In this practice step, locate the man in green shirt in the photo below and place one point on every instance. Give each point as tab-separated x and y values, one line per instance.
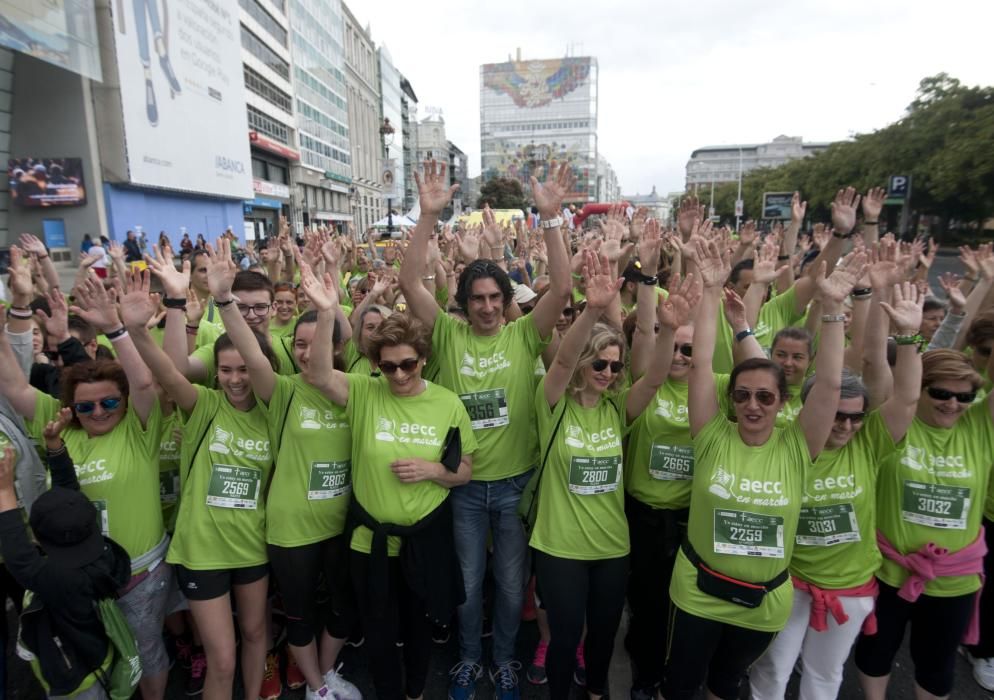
490	365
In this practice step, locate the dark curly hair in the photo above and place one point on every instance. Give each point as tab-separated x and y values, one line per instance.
479	270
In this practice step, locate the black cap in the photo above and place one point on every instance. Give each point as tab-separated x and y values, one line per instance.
64	521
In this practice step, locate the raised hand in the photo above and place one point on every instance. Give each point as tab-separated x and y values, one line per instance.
836	287
968	256
20	274
549	195
468	243
194	309
56	321
94	305
884	269
331	253
321	297
174	282
690	214
748	234
600	285
765	270
927	258
735	310
906	312
711	265
985	260
221	270
53	428
950	285
797	208
649	246
32	245
116	251
637	225
137	305
677	308
433	192
873	203
492	234
613	232
844	210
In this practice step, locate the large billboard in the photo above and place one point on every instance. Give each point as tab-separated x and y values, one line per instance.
532	84
183	96
60	32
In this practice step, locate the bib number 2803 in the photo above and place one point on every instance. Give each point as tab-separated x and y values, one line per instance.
234	487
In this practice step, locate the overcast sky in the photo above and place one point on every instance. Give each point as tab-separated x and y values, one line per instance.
675	76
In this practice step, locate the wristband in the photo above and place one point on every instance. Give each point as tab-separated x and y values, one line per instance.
428	278
869	223
114	335
742	335
909	339
23	314
783	258
843	236
170	303
862	291
222	304
192	330
833	318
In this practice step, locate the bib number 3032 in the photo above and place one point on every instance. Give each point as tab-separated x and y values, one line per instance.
748	534
234	487
935	505
486	409
329	480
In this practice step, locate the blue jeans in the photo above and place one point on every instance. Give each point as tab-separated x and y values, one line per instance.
479	507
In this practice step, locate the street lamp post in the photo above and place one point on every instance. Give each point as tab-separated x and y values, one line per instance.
739	197
386	133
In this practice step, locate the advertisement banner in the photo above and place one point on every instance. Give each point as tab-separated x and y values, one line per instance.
60	32
776	205
183	96
46	182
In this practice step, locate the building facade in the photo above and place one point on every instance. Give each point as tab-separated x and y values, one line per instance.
323	177
362	78
532	112
392	98
724	163
409	121
659	206
459	175
608	187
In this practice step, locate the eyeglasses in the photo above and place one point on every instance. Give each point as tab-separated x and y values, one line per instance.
685	349
944	395
408	365
764	397
841	417
600	365
108	403
257	309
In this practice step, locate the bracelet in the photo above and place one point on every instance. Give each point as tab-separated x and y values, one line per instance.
833	318
427	278
743	334
170	303
192	330
119	333
783	258
222	304
869	223
836	234
16	312
909	339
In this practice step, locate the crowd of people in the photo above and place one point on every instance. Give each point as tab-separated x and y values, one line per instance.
774	446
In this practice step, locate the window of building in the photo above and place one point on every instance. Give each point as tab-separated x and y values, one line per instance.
255	46
266	90
265	20
267	126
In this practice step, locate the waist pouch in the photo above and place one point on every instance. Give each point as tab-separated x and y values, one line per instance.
717	584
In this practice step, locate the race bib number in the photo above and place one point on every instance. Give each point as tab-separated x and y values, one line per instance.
102	521
748	534
234	487
824	526
671	462
486	409
169	486
329	480
591	475
936	505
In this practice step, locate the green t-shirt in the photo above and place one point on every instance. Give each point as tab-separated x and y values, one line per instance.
581	501
355	361
118	472
659	459
744	506
282	331
837	533
169	458
494	377
930	491
282	346
776	314
386	428
309	497
225	463
792	409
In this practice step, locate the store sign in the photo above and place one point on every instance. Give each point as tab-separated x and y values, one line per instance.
273	189
260	141
388	178
264	203
182	108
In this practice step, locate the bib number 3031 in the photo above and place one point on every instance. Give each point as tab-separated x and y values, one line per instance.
486	409
592	475
748	534
935	505
234	487
824	526
329	480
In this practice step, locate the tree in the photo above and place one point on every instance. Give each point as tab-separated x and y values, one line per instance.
502	193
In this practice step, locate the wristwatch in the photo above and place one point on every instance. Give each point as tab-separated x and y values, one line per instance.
552	223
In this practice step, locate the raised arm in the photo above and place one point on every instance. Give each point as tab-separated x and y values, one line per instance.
701	400
31	244
906	317
176	284
817	416
843	221
96	307
764	273
320	372
873	204
549	200
602	287
13	383
797	211
644	338
433	195
748	347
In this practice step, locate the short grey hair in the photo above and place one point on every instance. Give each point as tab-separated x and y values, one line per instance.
852	387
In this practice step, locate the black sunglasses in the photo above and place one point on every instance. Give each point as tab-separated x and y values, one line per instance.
600	365
841	417
408	365
685	349
108	403
944	395
766	398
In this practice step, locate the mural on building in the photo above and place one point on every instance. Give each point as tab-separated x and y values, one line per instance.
537	83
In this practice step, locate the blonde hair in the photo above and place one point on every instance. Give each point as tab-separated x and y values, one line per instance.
948	365
602	336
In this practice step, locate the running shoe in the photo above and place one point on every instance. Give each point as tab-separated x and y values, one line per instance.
505	680
580	672
340	688
464	676
536	671
198	671
271	688
321	693
983	671
294	676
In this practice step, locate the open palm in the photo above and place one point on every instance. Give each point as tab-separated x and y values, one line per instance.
601	286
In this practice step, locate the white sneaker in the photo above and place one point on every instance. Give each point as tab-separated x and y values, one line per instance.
321	693
983	672
340	688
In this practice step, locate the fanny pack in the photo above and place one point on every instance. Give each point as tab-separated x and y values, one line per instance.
717	584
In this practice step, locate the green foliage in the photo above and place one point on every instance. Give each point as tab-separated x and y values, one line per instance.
502	193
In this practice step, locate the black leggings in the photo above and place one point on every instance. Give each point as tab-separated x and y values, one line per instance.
984	649
573	591
699	649
655	536
404	618
298	572
937	626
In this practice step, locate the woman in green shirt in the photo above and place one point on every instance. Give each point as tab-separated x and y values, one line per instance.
793	350
218	547
285	304
411	442
730	586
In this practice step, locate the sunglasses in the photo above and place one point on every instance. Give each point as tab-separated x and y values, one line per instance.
600	365
764	397
944	395
408	365
108	403
685	349
841	417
